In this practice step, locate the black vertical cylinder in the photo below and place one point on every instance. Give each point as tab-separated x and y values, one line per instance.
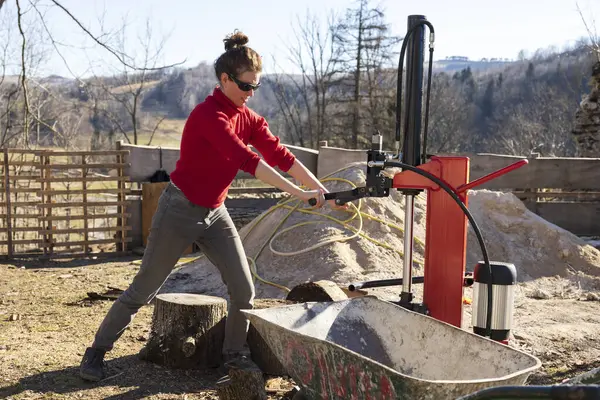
415	58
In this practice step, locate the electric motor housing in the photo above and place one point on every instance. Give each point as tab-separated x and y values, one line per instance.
504	280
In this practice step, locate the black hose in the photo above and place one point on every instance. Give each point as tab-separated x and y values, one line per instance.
383	283
425	128
448	189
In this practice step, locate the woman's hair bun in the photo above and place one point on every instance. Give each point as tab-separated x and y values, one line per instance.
236	39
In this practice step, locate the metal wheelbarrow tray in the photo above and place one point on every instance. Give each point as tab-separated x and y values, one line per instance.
366	348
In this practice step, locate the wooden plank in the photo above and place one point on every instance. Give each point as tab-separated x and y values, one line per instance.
588	196
262	204
23	242
69	254
9	242
23	151
80	217
333	158
80	179
541	172
81	204
78	191
143	161
86	166
86	249
84	230
21	229
23	216
24	177
45	172
83	242
63	153
25	190
20	204
121	221
253	190
578	218
151	193
24	163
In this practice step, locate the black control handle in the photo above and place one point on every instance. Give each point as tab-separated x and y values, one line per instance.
328	196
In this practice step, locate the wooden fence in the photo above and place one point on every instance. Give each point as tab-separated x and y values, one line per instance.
564	191
67	204
63	203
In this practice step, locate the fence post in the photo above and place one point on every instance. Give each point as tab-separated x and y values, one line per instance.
8	213
121	245
534	198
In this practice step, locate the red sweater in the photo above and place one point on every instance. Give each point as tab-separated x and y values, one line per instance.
214	147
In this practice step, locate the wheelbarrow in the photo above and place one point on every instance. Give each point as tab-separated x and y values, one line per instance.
366	348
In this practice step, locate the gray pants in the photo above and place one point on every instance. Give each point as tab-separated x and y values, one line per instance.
176	224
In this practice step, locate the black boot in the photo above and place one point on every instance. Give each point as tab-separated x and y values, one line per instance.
92	365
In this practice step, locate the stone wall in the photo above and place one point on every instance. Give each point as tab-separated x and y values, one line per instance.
586	129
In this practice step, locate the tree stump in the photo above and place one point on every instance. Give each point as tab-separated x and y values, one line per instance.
187	331
316	291
244	382
260	352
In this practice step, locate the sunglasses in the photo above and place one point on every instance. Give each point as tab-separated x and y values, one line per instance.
245	87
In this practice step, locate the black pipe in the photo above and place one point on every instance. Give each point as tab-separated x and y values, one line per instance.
382	283
399	80
468	281
411	147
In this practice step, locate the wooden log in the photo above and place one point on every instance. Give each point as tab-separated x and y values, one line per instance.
187	331
260	352
316	291
244	381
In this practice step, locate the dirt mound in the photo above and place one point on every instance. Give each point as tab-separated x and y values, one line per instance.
307	247
514	234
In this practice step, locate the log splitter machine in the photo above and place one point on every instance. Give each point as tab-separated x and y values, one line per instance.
446	180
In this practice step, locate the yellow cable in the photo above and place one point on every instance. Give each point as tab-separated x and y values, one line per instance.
358	231
357	213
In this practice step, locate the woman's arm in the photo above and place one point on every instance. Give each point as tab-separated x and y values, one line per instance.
307	178
270	176
303	174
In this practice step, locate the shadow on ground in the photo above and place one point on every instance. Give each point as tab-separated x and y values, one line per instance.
128	378
40	263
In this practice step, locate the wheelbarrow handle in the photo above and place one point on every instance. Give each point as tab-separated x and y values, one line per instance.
581	392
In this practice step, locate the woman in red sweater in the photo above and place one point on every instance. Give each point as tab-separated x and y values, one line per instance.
214	147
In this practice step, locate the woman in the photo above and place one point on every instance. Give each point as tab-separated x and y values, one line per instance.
214	147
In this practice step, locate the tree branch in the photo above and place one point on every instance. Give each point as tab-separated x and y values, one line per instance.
23	73
108	48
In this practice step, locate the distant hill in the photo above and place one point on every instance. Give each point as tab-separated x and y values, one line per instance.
457	63
489	105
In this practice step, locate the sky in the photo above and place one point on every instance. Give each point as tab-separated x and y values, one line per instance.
193	30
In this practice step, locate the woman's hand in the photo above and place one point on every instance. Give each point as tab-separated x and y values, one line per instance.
318	195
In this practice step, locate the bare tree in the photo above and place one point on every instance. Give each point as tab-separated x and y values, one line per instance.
128	86
594	44
366	51
37	19
303	97
449	115
541	125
